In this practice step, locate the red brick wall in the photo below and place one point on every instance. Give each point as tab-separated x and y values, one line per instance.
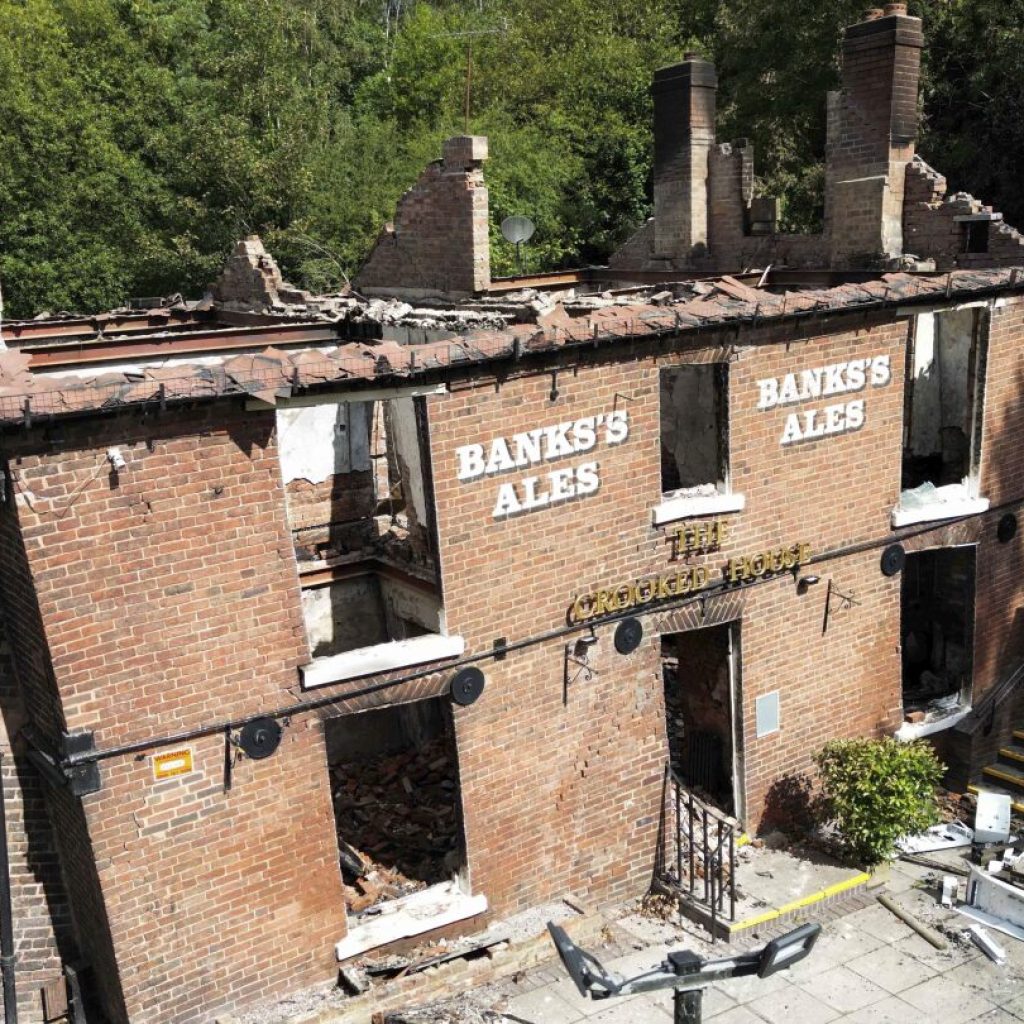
170	601
42	918
565	796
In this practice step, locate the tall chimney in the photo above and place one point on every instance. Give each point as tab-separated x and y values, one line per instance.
684	132
872	125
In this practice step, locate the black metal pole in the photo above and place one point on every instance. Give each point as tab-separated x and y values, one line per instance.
687	1005
6	921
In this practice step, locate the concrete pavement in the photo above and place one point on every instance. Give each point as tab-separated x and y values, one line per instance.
867	968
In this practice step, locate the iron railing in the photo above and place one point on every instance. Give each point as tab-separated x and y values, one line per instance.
696	857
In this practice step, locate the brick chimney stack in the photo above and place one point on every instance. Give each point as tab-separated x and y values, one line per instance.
684	133
872	124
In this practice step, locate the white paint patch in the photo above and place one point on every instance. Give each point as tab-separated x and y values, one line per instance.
323	440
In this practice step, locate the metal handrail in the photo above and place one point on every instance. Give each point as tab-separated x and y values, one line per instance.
698	841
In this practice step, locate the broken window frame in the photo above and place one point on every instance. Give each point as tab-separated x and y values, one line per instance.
682	503
391	654
971	502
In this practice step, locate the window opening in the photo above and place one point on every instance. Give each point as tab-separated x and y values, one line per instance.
697	676
694	417
356	488
942	421
937	603
975	236
397	804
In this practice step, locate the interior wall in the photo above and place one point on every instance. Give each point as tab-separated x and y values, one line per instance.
941	403
691	426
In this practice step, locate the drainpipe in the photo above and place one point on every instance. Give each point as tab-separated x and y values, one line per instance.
6	922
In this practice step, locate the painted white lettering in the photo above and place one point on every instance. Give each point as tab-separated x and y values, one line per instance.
587	479
556	441
855	374
810	383
562	484
834	383
471	461
769	393
880	371
616	427
791	432
584	434
788	392
499	459
531	499
855	414
527	447
507	502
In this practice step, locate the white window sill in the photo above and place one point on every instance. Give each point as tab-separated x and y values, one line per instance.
419	912
915	730
367	661
686	506
931	513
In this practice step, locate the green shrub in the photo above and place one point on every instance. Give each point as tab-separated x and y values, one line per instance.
877	791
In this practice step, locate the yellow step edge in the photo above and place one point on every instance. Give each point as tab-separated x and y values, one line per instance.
1003	776
1013	755
805	901
1018	734
1018	807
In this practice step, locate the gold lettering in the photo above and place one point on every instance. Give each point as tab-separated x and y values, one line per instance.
583	608
700	577
737	569
788	558
622	600
758	565
721	531
775	560
602	603
645	591
662	587
803	553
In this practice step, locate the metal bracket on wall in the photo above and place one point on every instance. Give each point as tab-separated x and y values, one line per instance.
83	777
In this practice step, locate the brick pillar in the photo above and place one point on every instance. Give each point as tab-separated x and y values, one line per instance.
684	132
438	243
872	125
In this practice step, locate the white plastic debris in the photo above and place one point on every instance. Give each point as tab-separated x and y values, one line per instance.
987	944
949	889
939	837
992	818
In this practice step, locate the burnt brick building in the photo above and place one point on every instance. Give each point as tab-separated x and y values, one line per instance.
443	572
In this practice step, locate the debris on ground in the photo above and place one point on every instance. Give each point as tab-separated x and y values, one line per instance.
397	820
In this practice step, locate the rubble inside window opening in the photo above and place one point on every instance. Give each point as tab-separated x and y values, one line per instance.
937	631
395	789
694	428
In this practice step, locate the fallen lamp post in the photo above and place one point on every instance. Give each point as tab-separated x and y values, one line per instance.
683	971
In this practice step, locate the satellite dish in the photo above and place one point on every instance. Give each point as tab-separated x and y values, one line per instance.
517	229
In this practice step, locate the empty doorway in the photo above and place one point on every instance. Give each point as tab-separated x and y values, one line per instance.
701	679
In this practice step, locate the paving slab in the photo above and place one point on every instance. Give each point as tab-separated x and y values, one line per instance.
542	1006
891	968
738	1015
792	1005
632	1011
842	989
879	922
887	1011
950	1001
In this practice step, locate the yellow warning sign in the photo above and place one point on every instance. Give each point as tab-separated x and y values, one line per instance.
172	763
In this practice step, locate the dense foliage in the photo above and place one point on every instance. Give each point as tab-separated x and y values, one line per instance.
139	138
877	791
